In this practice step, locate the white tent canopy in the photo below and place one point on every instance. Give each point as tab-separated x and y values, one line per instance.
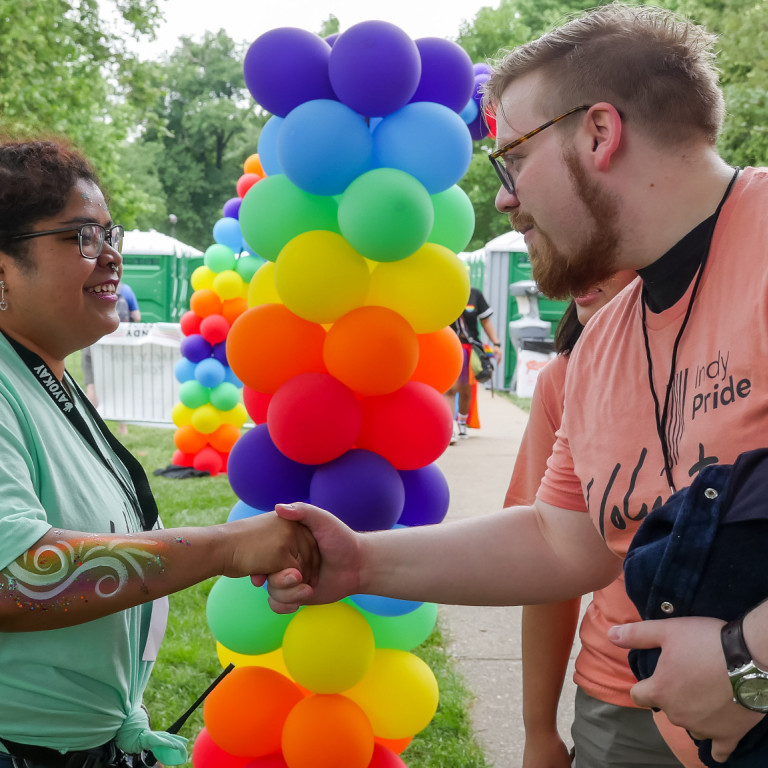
154	243
509	242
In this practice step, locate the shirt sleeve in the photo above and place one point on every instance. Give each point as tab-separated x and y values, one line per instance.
129	296
483	308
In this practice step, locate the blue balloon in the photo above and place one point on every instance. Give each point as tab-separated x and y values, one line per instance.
210	373
426	496
268	146
478	128
229	375
242	510
361	488
226	231
323	145
385	606
428	141
184	370
262	476
470	111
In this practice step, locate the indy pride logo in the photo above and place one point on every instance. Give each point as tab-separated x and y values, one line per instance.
51	383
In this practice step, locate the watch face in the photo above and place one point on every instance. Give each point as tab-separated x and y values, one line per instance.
752	692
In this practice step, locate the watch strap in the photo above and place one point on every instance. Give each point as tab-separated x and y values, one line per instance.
734	646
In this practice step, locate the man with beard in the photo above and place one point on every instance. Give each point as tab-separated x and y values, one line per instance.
606	153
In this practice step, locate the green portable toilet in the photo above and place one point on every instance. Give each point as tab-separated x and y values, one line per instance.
505	262
159	268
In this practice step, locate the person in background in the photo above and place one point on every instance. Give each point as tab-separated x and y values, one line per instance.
85	565
477	313
607	156
625	735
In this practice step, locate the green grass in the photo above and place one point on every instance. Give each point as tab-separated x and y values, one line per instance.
524	403
188	662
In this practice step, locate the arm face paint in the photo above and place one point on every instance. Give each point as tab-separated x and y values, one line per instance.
60	570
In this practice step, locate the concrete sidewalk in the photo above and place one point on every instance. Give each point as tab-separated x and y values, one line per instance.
486	641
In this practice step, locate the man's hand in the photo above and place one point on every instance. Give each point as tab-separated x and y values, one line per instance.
338	574
690	683
545	751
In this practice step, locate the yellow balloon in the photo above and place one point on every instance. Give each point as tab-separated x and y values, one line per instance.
399	694
320	276
328	648
202	278
429	288
228	284
272	660
262	288
237	416
181	415
206	419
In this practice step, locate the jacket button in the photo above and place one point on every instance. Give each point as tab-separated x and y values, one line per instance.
667	607
710	493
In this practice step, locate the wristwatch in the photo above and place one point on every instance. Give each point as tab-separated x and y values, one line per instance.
749	682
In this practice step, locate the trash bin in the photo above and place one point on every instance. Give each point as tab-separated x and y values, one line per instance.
530	336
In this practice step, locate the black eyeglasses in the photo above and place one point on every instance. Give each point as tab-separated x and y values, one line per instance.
497	157
90	238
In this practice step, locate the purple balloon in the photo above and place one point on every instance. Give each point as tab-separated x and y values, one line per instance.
446	73
331	39
426	496
195	348
261	476
361	488
232	207
219	351
481	69
374	68
286	67
478	128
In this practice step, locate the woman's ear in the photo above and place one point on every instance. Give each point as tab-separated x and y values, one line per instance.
604	126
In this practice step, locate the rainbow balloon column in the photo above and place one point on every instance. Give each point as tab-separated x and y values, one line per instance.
210	413
345	353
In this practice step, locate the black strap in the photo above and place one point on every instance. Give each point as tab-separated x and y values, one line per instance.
139	492
734	646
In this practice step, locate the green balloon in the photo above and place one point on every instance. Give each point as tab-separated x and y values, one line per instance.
225	397
403	632
219	258
247	265
386	214
240	617
275	210
193	394
454	219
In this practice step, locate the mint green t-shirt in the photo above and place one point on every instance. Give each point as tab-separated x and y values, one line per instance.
68	688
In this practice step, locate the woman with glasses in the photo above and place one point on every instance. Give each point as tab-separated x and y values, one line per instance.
85	566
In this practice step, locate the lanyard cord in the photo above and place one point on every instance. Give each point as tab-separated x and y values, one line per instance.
661	420
137	491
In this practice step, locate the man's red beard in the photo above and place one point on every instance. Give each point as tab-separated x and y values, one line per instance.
561	274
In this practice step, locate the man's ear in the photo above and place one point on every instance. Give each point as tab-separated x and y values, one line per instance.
604	127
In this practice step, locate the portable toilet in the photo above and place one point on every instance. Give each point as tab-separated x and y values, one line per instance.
158	268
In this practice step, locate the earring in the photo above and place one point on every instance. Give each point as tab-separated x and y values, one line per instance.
3	302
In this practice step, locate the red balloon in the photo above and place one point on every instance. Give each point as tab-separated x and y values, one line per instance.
394	745
268	345
269	761
214	328
208	460
180	459
256	403
190	323
385	758
410	428
245	182
314	418
206	753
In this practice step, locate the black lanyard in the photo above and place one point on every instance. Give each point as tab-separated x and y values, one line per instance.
661	420
138	491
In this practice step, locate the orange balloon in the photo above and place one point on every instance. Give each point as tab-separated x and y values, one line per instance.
233	308
440	359
394	745
247	710
268	344
205	302
327	731
189	440
224	437
253	165
372	350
